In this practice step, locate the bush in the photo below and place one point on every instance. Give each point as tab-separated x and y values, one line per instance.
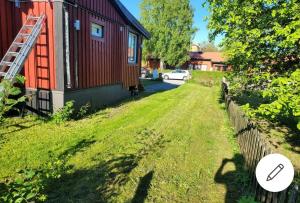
31	184
283	96
84	111
271	96
64	114
68	112
7	93
26	188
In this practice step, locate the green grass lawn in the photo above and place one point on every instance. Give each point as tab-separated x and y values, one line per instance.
166	147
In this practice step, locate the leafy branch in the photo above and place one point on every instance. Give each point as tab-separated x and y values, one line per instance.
10	96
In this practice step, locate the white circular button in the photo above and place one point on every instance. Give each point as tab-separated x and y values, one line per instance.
274	172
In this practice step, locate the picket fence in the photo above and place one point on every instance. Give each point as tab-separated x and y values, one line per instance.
254	147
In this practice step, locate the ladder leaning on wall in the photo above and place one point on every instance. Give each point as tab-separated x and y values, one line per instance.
18	52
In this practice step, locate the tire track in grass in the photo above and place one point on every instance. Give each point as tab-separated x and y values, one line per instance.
191	153
123	139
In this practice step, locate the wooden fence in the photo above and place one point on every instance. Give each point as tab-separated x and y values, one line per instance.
254	147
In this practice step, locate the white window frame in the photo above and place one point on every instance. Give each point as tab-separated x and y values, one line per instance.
132	43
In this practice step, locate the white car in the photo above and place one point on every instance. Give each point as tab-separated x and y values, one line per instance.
177	75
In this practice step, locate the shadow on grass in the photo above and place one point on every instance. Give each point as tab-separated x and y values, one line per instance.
17	127
141	192
104	181
234	181
98	184
294	140
79	147
7	129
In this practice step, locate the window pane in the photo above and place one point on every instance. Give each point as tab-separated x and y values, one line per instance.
132	48
97	30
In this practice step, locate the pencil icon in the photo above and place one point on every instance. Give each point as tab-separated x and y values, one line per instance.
275	172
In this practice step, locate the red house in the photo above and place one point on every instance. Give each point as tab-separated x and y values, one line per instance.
207	61
87	50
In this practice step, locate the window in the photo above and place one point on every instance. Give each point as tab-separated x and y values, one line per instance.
132	48
97	30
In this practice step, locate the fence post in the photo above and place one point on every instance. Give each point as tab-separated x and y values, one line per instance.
294	194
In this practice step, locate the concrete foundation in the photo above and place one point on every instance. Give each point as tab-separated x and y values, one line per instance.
50	101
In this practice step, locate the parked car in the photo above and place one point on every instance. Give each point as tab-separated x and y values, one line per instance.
177	75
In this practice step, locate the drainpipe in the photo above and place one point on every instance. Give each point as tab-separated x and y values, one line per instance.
67	48
77	28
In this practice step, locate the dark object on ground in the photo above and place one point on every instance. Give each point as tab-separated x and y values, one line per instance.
134	91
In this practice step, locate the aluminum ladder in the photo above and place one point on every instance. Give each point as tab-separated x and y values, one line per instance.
18	52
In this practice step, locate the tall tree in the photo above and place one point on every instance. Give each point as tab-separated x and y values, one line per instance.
260	33
208	46
170	23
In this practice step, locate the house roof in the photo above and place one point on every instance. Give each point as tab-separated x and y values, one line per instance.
131	19
212	56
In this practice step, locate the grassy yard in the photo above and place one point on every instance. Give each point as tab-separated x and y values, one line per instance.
173	146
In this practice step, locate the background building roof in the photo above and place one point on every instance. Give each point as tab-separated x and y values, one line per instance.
213	56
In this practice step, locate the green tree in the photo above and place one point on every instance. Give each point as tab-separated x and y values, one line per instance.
262	42
208	47
261	34
170	23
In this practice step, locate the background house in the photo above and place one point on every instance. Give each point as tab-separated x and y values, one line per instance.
88	51
207	61
152	62
199	60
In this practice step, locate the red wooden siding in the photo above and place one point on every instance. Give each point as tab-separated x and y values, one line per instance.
100	62
6	27
103	7
39	68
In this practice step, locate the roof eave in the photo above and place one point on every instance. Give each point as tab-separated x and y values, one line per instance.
131	19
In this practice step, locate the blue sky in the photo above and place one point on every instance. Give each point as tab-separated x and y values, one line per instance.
199	22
